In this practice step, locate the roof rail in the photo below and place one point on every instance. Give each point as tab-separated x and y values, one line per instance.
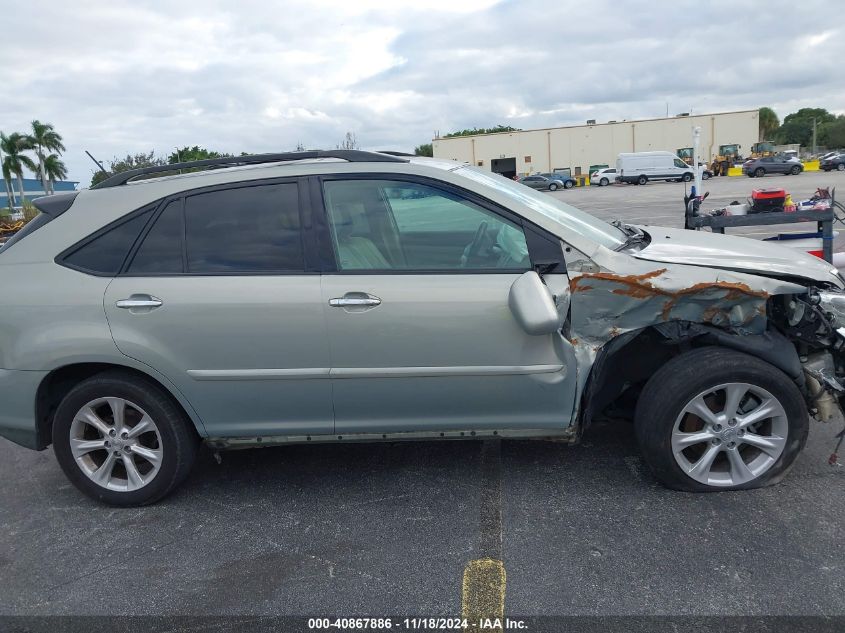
351	155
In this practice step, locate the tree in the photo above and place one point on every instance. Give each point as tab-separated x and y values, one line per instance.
187	154
45	138
54	169
798	126
7	179
349	142
14	161
768	123
833	133
482	130
131	161
424	150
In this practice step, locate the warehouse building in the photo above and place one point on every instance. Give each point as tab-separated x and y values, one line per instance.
575	149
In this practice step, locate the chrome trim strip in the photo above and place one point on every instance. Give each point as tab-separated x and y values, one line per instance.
371	372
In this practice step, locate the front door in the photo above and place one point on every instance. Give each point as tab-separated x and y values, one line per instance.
421	336
217	298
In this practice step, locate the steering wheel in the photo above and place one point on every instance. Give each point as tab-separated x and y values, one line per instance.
475	245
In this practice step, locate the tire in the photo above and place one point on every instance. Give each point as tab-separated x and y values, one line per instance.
553	187
568	184
642	180
759	172
661	421
604	182
840	167
795	170
172	439
687	177
705	175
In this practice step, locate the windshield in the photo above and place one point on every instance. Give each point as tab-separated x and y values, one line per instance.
565	214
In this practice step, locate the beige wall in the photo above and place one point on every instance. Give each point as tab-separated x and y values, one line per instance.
585	145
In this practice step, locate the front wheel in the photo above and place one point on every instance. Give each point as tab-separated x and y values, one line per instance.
716	419
642	180
120	439
840	167
759	172
687	177
795	170
553	187
568	184
604	182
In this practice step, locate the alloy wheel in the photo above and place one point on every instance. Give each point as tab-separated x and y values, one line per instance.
116	444
730	434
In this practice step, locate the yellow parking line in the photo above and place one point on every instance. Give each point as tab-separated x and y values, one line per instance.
483	591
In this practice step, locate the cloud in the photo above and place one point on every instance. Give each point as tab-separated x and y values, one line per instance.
119	76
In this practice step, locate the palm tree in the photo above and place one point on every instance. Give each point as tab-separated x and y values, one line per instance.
768	123
45	137
54	169
14	146
7	179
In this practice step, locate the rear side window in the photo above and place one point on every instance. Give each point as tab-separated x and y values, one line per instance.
106	253
161	251
247	229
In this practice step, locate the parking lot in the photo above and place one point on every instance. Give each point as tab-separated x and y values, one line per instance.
387	529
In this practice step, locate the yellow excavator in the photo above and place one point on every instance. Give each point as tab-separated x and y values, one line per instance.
685	154
728	155
762	149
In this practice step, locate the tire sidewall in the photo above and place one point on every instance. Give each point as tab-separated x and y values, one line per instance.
655	434
141	395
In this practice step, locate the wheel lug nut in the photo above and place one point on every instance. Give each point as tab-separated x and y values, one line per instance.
716	441
108	444
124	435
732	422
731	444
717	427
740	432
112	432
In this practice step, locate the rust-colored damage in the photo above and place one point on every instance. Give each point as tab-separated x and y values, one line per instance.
638	287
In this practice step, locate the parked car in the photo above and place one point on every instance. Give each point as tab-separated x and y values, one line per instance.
603	177
542	182
568	181
837	162
379	297
779	164
641	167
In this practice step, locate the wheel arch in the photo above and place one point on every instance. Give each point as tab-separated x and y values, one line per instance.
58	383
624	364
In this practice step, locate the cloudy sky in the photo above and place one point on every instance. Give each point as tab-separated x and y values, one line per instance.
117	77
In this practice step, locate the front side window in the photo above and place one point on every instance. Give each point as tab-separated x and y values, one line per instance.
394	225
680	163
245	230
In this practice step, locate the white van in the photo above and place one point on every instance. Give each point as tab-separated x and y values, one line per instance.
640	167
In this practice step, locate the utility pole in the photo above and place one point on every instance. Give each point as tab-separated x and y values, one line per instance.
814	136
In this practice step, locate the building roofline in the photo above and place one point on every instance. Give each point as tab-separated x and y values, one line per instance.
569	127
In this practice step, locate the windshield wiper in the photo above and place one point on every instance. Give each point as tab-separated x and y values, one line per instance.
635	235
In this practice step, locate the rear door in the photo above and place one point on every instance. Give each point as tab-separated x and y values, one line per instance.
220	297
421	335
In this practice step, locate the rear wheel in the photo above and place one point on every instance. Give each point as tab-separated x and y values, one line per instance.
122	440
553	187
840	167
715	419
642	180
759	172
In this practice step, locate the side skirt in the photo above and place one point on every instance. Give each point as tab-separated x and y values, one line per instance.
568	434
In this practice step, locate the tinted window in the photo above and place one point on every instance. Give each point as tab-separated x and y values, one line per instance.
106	253
248	229
391	225
161	250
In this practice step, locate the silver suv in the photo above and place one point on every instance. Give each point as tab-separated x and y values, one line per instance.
345	296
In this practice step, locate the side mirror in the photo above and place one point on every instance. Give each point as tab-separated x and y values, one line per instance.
532	305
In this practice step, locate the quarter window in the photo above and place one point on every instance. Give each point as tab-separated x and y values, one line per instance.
246	229
394	225
106	253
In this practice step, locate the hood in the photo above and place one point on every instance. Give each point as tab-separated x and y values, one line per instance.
700	248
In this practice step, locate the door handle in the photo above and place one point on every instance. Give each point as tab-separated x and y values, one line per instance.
139	301
346	302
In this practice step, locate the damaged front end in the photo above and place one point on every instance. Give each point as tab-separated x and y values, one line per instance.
625	326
